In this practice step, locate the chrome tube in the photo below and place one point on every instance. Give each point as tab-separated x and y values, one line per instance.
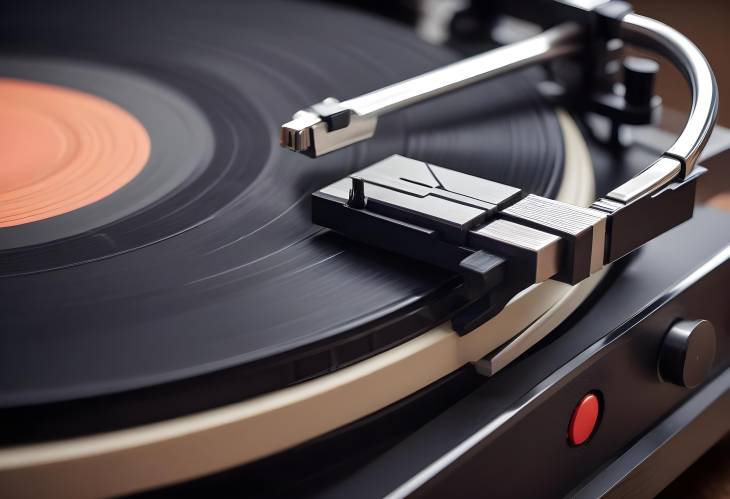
307	133
654	35
555	42
680	158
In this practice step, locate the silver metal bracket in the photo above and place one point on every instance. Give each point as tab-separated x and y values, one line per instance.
315	134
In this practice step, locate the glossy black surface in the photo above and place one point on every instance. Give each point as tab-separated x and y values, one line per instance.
222	288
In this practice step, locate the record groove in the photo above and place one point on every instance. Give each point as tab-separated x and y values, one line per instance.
218	287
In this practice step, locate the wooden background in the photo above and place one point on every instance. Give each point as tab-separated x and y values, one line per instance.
707	24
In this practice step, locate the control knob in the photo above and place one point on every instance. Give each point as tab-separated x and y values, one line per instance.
687	353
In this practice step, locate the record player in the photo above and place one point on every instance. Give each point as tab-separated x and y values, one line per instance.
473	268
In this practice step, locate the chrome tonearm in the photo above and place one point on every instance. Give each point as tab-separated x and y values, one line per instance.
680	158
500	239
331	125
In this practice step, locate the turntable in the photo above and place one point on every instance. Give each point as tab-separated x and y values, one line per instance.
446	275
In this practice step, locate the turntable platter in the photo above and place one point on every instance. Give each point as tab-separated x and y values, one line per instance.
201	280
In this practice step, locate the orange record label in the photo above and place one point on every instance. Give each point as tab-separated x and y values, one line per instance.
62	149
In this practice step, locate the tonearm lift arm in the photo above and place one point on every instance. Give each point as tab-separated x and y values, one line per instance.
499	239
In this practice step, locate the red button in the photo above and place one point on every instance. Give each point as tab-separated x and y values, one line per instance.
584	419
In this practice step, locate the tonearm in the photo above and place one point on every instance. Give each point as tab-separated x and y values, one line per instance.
499	239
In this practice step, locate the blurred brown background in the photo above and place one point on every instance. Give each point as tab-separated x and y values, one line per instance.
707	23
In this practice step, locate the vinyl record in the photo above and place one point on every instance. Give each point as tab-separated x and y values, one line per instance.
200	280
